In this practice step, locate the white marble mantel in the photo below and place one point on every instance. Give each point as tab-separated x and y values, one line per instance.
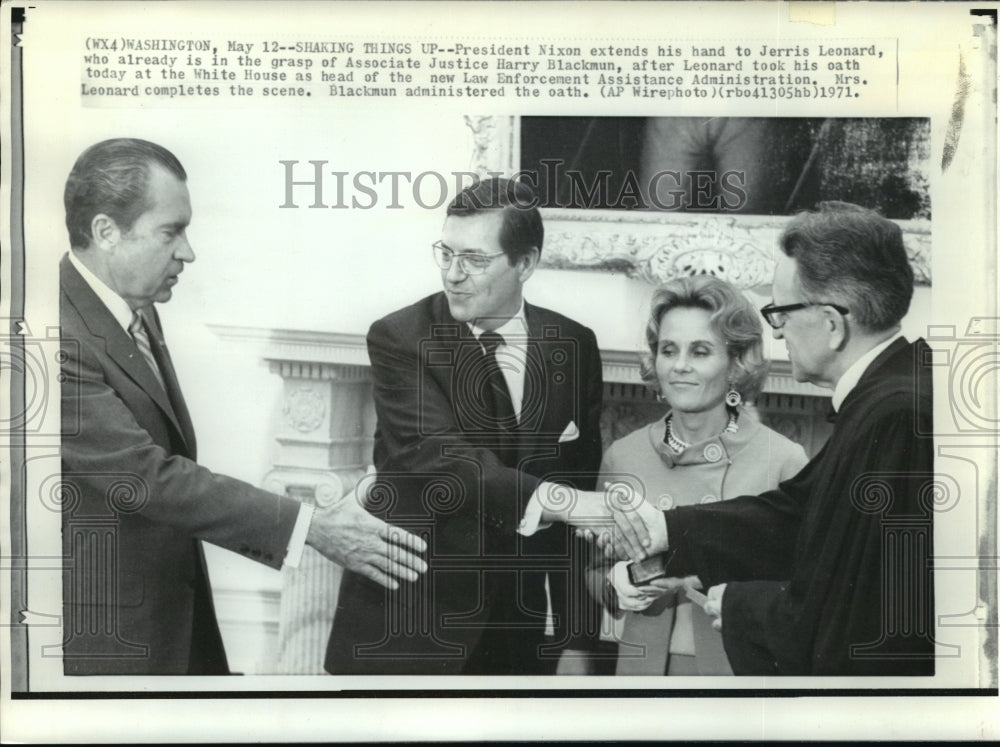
337	350
794	408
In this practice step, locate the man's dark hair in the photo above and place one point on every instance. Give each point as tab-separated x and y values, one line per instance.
112	177
521	230
848	254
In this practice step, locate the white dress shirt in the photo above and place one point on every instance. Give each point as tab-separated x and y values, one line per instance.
514	354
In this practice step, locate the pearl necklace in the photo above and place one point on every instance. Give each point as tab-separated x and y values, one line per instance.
677	446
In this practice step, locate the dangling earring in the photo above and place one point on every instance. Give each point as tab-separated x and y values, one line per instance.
660	397
733	398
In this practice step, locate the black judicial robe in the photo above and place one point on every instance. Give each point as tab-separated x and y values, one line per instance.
829	574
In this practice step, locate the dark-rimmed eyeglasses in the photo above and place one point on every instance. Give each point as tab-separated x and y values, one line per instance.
776	316
470	263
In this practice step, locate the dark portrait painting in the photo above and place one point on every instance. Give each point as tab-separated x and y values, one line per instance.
748	165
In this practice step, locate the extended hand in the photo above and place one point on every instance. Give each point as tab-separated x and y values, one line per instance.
592	514
350	536
580	508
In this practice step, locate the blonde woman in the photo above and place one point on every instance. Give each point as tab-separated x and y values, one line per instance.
704	362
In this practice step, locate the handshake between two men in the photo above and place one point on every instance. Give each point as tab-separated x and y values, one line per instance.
619	520
805	560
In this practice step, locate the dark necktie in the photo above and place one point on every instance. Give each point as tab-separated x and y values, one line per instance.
496	385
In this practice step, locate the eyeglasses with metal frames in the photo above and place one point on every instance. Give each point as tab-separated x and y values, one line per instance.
776	316
471	263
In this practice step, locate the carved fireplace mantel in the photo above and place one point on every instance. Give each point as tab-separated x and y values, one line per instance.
320	369
344	357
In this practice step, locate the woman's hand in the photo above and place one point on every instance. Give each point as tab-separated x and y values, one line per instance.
630	598
637	598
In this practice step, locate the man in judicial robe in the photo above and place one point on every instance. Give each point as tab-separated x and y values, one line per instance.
829	574
137	505
486	406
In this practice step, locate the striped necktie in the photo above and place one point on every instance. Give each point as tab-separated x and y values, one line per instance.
138	331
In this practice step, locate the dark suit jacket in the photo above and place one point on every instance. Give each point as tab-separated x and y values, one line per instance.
136	597
444	474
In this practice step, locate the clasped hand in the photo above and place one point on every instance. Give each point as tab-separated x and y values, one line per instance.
619	519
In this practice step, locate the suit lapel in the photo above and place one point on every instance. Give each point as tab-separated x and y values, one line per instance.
539	413
535	395
537	405
118	345
174	393
447	334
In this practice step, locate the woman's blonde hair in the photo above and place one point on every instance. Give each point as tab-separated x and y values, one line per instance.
732	318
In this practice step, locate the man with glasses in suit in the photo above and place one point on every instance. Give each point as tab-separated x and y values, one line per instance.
487	406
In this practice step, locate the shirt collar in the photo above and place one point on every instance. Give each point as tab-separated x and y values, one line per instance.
119	309
853	374
514	328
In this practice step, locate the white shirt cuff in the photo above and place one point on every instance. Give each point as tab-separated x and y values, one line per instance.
531	522
297	542
656	523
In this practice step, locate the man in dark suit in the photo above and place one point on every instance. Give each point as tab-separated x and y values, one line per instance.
136	595
830	573
486	406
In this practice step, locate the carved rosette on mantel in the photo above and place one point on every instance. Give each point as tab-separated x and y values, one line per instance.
325	436
657	246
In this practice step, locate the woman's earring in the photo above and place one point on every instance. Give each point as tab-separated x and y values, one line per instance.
733	398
